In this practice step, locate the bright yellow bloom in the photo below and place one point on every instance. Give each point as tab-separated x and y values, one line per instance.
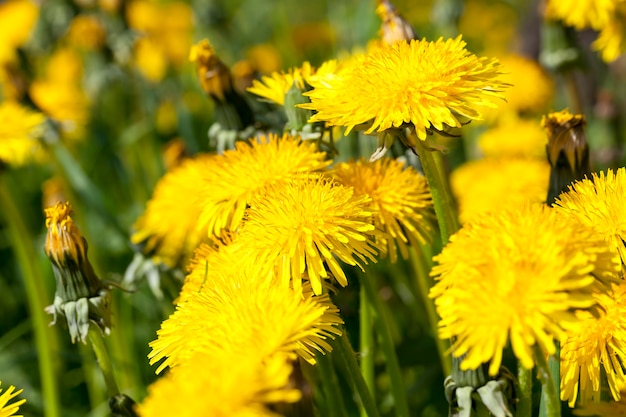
149	59
599	203
239	174
400	197
514	138
247	314
7	410
610	42
493	184
20	129
167	230
17	19
429	85
87	32
516	276
597	340
222	385
307	225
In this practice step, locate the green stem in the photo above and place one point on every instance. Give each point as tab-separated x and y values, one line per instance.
330	384
398	390
550	405
349	360
433	166
45	337
99	348
525	381
424	282
366	339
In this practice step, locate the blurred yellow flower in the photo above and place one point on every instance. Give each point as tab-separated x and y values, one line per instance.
20	129
597	341
222	385
602	409
17	19
400	198
264	58
610	42
514	138
428	85
306	225
489	26
493	184
599	203
149	59
516	275
246	313
86	32
167	230
6	409
239	174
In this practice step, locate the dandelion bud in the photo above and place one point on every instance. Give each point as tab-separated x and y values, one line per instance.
80	295
394	27
232	110
567	150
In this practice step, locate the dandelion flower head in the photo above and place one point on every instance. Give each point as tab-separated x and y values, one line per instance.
167	229
597	339
399	196
493	184
249	314
20	129
275	86
239	174
6	409
308	224
599	202
429	85
222	385
516	276
514	138
17	19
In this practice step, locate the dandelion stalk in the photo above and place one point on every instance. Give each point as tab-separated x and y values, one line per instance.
329	386
432	165
398	390
99	348
366	339
45	337
550	405
349	359
418	262
525	380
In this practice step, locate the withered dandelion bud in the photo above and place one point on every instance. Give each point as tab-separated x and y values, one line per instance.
394	28
567	150
80	296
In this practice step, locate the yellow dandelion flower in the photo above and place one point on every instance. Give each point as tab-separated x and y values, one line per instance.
19	131
167	229
275	86
599	203
143	16
17	19
400	197
597	341
582	14
6	409
516	276
246	313
489	26
493	184
307	225
224	385
87	32
514	138
603	409
264	58
149	59
239	174
429	85
174	31
610	42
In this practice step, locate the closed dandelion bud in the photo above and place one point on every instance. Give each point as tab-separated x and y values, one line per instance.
567	150
232	110
80	295
394	28
297	117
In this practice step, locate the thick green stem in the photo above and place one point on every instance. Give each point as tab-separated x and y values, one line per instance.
45	336
99	348
424	283
366	339
525	381
398	390
433	166
330	385
349	358
550	405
